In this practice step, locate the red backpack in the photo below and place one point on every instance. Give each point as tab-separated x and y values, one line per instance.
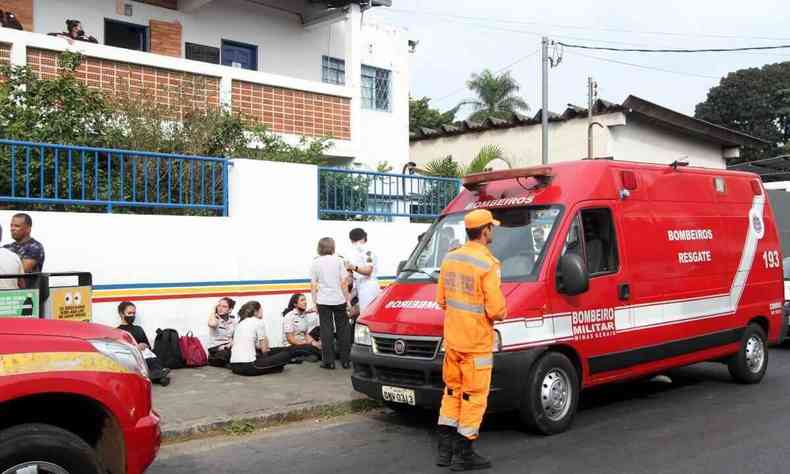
192	351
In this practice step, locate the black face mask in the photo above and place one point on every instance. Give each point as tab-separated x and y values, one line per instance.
129	320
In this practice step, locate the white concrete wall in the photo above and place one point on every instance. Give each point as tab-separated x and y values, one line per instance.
521	145
271	234
384	135
641	142
285	48
627	140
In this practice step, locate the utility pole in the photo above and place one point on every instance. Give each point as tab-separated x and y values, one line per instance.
592	93
544	55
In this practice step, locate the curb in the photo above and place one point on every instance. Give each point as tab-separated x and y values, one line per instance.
266	419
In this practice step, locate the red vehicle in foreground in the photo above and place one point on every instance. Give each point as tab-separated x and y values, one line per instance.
74	398
611	270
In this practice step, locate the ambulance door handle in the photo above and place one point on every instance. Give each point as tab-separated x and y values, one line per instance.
624	291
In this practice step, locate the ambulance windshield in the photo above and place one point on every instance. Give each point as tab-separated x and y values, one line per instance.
519	243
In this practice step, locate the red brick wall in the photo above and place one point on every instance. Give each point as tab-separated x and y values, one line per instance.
23	9
5	53
292	111
171	4
179	90
165	37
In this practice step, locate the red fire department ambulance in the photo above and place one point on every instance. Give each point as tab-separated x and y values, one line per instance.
74	398
612	270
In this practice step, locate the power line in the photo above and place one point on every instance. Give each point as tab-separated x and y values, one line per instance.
642	66
502	69
590	28
703	50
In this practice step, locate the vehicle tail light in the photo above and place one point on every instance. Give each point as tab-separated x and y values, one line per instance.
756	188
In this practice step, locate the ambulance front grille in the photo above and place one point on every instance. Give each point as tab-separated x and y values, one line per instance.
414	347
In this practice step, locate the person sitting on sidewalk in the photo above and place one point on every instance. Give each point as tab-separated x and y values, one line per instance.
297	325
221	325
156	371
250	353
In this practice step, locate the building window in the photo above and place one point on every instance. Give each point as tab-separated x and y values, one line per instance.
333	71
239	55
203	53
125	35
375	88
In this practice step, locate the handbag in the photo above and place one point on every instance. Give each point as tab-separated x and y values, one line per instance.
192	351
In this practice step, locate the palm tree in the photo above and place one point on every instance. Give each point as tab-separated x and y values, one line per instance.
449	168
497	96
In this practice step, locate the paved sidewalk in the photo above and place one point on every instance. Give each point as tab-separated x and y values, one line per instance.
209	398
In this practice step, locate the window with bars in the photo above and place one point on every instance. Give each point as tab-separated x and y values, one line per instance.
375	88
333	70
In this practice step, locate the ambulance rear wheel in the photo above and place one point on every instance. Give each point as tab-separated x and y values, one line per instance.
45	449
551	395
749	364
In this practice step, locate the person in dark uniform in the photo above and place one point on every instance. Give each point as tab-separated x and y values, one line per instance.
156	371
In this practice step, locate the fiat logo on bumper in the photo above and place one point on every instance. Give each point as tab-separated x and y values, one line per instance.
400	347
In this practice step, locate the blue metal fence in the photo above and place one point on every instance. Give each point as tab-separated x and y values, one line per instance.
66	176
345	194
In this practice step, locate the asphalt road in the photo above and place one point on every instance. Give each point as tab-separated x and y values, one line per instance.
702	422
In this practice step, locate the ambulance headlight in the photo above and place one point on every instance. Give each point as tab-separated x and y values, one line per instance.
362	335
497	341
125	354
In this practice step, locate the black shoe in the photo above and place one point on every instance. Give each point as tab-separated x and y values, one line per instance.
165	371
328	366
346	365
447	442
468	459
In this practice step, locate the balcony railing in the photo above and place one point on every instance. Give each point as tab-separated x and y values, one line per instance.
364	195
62	177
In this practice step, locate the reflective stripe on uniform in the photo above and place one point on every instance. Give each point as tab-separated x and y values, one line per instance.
446	421
468	431
472	308
482	264
38	362
483	362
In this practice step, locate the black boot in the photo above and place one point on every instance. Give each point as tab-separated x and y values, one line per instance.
468	459
447	441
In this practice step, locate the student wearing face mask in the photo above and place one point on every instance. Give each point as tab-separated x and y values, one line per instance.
156	371
364	266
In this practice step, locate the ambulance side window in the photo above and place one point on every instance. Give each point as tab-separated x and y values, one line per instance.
592	237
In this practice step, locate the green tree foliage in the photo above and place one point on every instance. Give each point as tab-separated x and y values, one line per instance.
422	115
497	96
755	101
63	110
449	168
59	110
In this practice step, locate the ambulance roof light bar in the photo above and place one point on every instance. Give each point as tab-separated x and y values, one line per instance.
542	174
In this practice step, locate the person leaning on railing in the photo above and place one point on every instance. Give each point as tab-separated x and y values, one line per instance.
74	32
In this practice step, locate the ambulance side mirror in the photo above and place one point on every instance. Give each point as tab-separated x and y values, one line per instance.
572	277
401	266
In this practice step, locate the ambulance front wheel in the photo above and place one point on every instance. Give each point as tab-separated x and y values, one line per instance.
748	365
551	395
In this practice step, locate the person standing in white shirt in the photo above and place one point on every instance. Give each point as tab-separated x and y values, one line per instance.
329	289
10	264
364	265
250	353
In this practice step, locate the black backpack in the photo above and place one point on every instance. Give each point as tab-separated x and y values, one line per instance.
167	350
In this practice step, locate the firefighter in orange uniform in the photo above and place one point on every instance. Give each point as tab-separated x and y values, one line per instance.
470	294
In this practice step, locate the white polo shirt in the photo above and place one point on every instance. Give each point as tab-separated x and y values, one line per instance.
10	264
246	338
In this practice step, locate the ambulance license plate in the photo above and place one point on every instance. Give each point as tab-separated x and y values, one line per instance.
398	395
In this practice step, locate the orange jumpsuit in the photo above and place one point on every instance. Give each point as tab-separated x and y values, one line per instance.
469	292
